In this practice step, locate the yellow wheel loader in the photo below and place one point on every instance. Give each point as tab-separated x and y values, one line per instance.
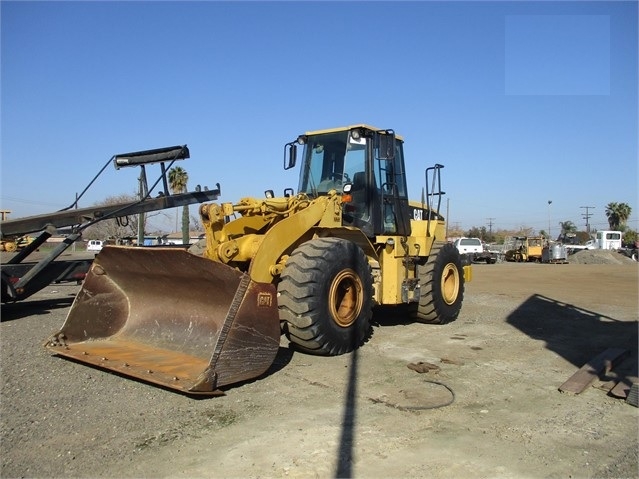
526	249
311	265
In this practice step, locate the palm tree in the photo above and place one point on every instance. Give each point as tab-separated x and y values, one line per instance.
567	227
178	178
618	214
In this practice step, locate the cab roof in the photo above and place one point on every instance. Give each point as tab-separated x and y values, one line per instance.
350	127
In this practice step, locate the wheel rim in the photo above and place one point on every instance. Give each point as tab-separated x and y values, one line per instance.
450	283
345	298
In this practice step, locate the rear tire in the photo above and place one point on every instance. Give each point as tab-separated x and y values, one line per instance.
325	297
441	279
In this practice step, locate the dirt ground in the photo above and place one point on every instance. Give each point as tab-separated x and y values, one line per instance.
490	409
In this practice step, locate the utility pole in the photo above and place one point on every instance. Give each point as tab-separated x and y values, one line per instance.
143	191
447	216
587	216
549	235
490	226
76	207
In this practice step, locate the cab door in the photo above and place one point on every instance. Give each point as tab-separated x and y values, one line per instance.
392	193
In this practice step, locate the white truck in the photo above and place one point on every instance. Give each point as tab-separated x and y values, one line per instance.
473	251
613	240
608	240
603	240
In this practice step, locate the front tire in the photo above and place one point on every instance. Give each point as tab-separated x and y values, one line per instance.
325	297
441	279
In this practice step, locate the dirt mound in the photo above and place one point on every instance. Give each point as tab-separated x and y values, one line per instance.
599	256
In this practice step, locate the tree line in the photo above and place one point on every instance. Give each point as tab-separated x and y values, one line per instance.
616	213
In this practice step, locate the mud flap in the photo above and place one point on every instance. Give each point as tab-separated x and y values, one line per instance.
171	318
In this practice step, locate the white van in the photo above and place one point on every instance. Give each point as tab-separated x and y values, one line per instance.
94	245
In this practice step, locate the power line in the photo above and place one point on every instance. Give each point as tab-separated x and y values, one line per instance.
32	202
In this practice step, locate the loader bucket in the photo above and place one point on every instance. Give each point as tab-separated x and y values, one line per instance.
171	318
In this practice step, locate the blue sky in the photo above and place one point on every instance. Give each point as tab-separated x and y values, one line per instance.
523	102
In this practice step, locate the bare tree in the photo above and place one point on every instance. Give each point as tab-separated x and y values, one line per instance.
178	179
195	224
120	227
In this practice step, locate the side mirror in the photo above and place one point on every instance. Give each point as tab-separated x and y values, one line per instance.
290	155
386	145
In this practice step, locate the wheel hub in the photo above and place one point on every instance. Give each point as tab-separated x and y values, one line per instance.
345	298
450	283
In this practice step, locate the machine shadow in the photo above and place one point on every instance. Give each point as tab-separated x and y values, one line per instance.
13	311
389	316
574	333
344	467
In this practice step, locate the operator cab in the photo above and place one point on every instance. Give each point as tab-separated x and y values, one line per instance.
363	163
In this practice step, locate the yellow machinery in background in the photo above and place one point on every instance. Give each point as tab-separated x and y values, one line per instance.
526	249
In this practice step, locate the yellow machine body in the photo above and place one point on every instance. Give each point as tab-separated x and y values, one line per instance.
297	264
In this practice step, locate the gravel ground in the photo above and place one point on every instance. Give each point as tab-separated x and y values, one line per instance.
490	408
